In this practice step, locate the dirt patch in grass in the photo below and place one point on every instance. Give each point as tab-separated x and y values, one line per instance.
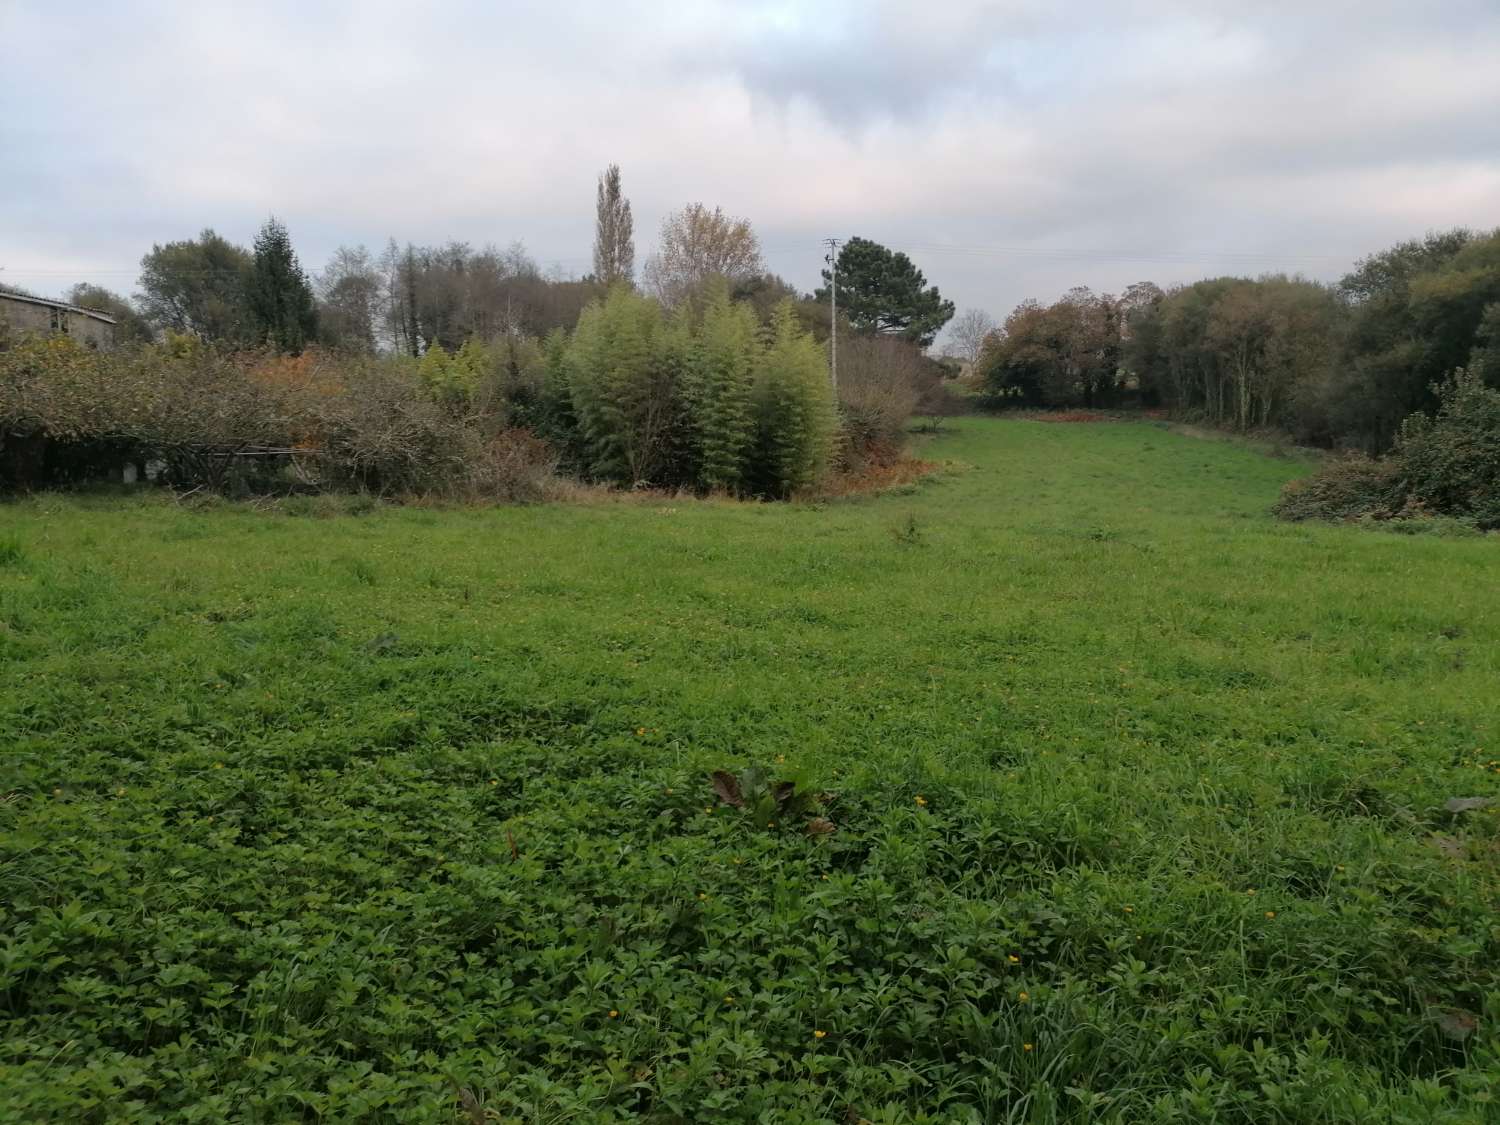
875	478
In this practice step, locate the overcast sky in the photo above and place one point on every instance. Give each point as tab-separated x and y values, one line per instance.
1013	149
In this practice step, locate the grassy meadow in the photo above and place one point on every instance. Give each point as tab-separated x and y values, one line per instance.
405	815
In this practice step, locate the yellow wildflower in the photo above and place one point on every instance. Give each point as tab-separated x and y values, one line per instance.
921	801
820	1034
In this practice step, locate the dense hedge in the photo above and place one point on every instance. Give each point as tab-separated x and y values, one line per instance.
704	398
241	421
1444	464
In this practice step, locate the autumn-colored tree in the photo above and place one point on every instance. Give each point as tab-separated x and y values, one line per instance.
697	245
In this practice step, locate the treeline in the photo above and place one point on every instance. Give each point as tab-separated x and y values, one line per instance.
1338	365
445	369
707	396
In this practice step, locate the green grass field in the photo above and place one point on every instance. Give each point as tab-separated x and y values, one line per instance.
406	816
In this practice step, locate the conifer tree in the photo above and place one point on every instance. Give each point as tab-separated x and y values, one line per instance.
282	307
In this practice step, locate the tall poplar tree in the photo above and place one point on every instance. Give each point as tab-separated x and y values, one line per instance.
614	232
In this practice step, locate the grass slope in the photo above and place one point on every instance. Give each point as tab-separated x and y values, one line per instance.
406	816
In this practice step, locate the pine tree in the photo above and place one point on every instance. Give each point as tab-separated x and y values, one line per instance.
281	302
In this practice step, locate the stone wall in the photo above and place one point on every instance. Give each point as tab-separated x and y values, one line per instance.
29	316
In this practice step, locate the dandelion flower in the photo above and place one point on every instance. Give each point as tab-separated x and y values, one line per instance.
1027	1046
702	897
921	801
1013	959
613	1013
1270	913
1129	910
1024	998
819	1033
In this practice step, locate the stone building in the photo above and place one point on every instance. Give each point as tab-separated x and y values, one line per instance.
37	314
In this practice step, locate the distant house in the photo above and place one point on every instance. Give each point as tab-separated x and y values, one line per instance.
37	314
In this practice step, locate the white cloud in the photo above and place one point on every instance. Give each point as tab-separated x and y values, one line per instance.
1014	148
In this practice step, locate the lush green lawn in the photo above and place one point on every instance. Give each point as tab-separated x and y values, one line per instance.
1137	793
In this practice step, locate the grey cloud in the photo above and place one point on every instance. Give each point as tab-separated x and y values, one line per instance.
1015	148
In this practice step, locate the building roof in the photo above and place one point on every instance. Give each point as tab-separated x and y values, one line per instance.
6	295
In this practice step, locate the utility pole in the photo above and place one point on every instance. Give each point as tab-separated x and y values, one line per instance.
832	258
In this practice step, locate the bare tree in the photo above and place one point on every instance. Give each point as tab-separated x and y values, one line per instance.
967	334
614	232
697	244
349	300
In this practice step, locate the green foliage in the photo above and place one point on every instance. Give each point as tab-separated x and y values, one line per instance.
302	823
283	313
793	408
655	399
1418	312
883	291
1339	367
1445	465
456	377
718	391
1450	461
623	374
1240	354
199	286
